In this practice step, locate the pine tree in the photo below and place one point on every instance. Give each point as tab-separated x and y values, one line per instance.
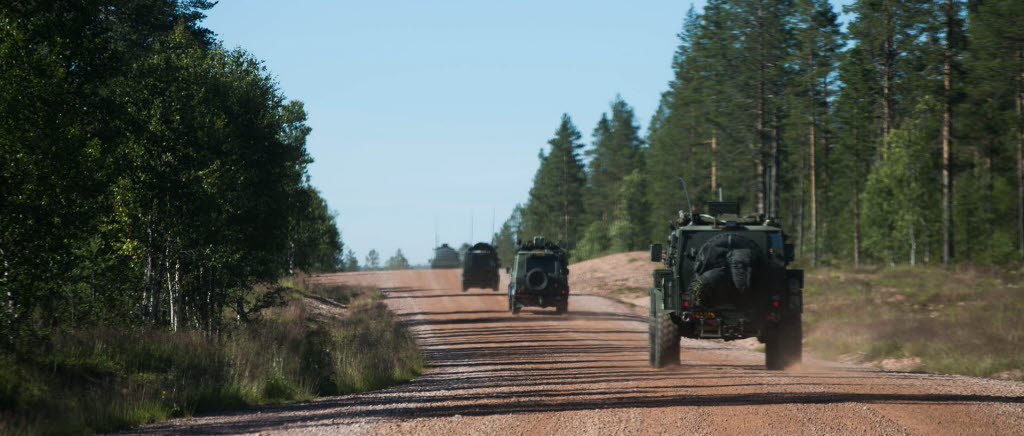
996	79
555	207
885	75
616	153
813	64
631	231
372	261
351	262
398	261
508	235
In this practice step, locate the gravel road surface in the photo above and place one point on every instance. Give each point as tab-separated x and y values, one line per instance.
586	373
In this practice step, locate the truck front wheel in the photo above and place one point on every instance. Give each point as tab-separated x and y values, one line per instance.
783	345
663	340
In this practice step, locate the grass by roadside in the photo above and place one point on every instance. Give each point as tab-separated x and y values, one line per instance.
324	341
962	320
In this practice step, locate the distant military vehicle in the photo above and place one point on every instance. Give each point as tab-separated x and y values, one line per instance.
480	267
539	276
725	277
445	257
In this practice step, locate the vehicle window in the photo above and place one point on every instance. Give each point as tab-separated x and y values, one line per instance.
546	263
480	259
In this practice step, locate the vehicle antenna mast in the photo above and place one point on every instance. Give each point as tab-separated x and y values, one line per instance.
685	191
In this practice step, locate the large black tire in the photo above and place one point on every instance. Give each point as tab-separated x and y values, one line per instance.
562	308
783	345
663	340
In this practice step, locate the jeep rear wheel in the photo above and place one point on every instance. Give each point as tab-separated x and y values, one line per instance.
562	308
783	345
663	340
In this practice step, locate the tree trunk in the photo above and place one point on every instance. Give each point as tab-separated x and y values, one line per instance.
9	303
856	229
826	138
1019	105
800	209
170	285
565	197
947	123
887	79
714	162
176	300
913	237
811	137
814	198
760	122
773	181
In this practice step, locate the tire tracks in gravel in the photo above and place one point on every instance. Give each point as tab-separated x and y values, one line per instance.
586	373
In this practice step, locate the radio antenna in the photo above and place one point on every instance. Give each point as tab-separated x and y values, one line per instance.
685	191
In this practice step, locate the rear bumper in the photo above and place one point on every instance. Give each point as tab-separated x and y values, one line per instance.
541	300
477	281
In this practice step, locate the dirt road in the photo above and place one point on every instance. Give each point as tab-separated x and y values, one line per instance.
586	373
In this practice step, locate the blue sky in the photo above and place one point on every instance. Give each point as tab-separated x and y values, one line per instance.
432	113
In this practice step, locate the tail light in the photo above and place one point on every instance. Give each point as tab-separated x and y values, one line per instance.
519	290
686	304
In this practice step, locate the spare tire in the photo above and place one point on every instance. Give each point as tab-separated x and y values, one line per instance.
536	279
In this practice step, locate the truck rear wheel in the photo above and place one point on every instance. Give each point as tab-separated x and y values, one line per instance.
663	340
784	344
562	308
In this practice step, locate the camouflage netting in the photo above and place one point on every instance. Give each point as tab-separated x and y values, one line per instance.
724	269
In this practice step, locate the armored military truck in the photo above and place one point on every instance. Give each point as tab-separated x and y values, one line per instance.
444	257
725	277
539	276
480	267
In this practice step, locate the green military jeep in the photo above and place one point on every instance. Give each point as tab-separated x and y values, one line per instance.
480	267
540	276
726	277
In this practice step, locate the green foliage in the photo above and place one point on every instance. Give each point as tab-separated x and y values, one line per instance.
510	232
398	261
103	379
372	261
596	242
630	229
150	176
555	208
350	261
899	195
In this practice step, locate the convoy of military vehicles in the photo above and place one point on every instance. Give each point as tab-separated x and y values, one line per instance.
725	277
